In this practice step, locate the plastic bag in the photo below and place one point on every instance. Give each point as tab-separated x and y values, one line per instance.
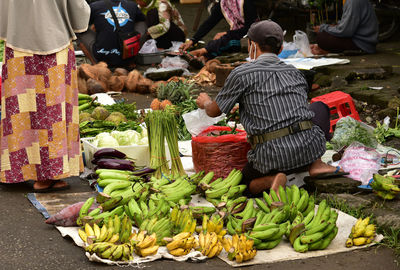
174	62
219	154
361	162
301	40
149	46
289	50
197	121
349	130
175	46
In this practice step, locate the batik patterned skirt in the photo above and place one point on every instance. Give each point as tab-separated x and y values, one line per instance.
39	138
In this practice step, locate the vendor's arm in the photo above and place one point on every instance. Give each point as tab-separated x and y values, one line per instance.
164	18
205	102
215	16
349	22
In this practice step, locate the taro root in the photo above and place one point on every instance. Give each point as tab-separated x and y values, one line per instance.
132	80
95	86
100	113
82	88
121	72
116	118
143	85
86	71
116	83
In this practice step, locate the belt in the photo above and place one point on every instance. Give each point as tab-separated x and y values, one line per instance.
295	128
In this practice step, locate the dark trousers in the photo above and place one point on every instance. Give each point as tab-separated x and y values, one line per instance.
321	119
334	44
174	33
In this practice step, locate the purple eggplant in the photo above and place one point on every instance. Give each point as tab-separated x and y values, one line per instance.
111	164
121	161
108	152
143	171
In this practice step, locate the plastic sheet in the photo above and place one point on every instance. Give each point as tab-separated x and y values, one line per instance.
219	154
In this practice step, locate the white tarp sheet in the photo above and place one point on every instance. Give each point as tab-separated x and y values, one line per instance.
309	63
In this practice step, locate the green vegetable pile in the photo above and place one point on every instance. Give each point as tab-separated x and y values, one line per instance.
349	130
175	92
182	108
382	131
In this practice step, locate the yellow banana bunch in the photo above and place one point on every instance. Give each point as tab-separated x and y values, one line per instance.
181	244
111	251
114	230
214	224
145	245
209	244
239	248
361	233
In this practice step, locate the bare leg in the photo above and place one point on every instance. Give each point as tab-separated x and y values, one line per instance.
318	167
258	185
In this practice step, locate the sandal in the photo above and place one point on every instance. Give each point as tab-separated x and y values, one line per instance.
51	188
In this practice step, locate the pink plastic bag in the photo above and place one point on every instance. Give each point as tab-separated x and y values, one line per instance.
361	162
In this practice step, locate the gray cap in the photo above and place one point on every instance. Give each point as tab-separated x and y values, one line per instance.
260	31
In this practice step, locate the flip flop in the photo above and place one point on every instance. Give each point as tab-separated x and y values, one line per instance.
51	188
334	174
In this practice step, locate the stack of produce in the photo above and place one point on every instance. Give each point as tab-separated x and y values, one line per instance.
222	190
181	244
179	191
239	248
209	244
111	241
95	119
144	244
385	187
316	232
361	233
183	220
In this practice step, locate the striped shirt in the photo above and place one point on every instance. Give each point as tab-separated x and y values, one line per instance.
273	95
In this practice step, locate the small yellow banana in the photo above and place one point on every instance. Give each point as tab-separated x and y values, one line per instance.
148	251
180	243
213	251
201	240
82	235
96	230
182	235
114	238
103	234
177	252
89	230
227	244
149	241
239	257
189	243
369	230
349	242
359	241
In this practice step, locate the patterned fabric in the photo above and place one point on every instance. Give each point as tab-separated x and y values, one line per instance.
167	13
271	96
39	117
233	13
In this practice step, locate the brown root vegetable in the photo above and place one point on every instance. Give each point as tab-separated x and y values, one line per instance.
116	83
132	80
176	79
121	72
102	64
95	86
86	71
165	103
82	88
210	65
155	104
143	85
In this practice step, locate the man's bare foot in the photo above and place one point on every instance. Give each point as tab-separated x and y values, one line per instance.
319	167
55	184
316	50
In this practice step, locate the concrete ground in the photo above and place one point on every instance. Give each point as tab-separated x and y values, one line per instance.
26	242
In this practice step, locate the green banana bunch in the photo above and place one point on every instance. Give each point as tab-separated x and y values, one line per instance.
161	227
385	187
111	251
314	232
182	220
225	189
180	189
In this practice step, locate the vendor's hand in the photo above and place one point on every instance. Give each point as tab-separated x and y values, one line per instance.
219	35
185	46
199	52
202	100
234	109
316	28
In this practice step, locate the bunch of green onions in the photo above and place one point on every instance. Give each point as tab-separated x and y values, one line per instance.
161	126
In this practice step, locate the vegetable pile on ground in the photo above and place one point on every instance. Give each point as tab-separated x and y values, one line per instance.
95	119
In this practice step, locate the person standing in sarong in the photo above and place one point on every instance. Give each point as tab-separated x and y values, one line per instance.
39	130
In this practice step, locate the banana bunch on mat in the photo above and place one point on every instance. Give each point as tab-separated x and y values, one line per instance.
239	248
213	224
181	244
209	244
385	187
361	233
111	251
117	229
144	244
